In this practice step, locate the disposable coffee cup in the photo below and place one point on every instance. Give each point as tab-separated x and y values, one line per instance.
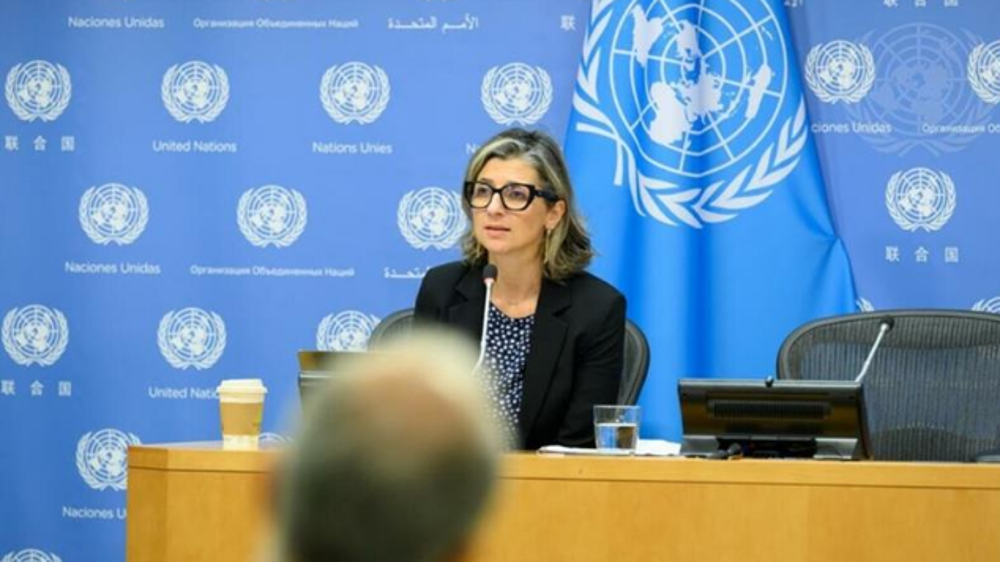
241	409
616	428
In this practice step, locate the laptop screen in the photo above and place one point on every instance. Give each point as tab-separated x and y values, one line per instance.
316	368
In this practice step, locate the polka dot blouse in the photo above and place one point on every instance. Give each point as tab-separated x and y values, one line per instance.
507	343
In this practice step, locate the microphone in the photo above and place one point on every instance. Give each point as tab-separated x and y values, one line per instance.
489	277
885	324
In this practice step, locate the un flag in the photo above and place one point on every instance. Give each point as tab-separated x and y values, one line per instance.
690	148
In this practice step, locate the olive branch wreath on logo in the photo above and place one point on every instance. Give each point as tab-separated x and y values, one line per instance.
902	141
369	114
987	90
721	201
330	320
903	221
50	114
864	305
130	234
178	362
87	473
32	555
987	305
497	114
286	239
51	356
178	112
865	81
410	234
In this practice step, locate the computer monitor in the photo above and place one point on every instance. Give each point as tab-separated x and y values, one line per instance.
316	367
757	418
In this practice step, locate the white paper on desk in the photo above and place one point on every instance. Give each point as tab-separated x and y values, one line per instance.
645	448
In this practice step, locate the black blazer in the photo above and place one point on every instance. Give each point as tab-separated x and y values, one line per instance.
576	354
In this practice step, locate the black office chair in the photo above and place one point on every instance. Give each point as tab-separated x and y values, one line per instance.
933	388
633	373
636	365
396	324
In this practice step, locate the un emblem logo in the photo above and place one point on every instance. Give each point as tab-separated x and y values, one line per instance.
687	92
346	331
192	337
195	91
38	90
35	334
271	438
30	555
102	458
354	92
271	216
988	305
920	198
864	305
113	213
516	93
840	71
984	72
921	85
431	217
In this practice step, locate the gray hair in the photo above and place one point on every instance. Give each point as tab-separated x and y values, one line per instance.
394	462
566	249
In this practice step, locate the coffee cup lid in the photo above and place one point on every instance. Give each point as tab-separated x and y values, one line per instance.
255	386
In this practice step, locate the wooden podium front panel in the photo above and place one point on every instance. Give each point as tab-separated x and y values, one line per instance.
598	509
195	502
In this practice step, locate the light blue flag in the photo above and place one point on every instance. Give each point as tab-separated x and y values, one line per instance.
691	152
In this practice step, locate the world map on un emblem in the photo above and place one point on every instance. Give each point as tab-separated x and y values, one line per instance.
191	337
431	217
272	216
984	71
102	458
354	92
920	199
113	213
920	90
35	334
698	101
840	71
195	91
704	85
38	90
516	93
345	331
30	555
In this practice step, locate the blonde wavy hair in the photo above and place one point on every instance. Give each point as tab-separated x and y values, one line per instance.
566	249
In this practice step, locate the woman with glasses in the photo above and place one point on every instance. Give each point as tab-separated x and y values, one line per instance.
555	336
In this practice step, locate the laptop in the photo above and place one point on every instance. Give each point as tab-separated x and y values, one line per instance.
316	368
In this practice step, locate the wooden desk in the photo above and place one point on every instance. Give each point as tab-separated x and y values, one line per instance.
587	508
191	502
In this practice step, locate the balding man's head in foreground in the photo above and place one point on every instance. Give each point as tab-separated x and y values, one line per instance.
395	459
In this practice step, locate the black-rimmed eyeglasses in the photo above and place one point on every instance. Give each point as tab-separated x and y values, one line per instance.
514	196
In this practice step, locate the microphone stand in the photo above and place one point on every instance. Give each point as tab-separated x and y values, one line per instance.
883	329
489	277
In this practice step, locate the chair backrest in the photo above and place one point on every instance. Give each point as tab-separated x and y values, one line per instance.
636	365
636	351
396	324
932	391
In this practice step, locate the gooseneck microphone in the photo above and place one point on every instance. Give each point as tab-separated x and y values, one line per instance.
489	277
885	324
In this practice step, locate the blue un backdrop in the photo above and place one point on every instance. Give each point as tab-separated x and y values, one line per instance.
195	190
